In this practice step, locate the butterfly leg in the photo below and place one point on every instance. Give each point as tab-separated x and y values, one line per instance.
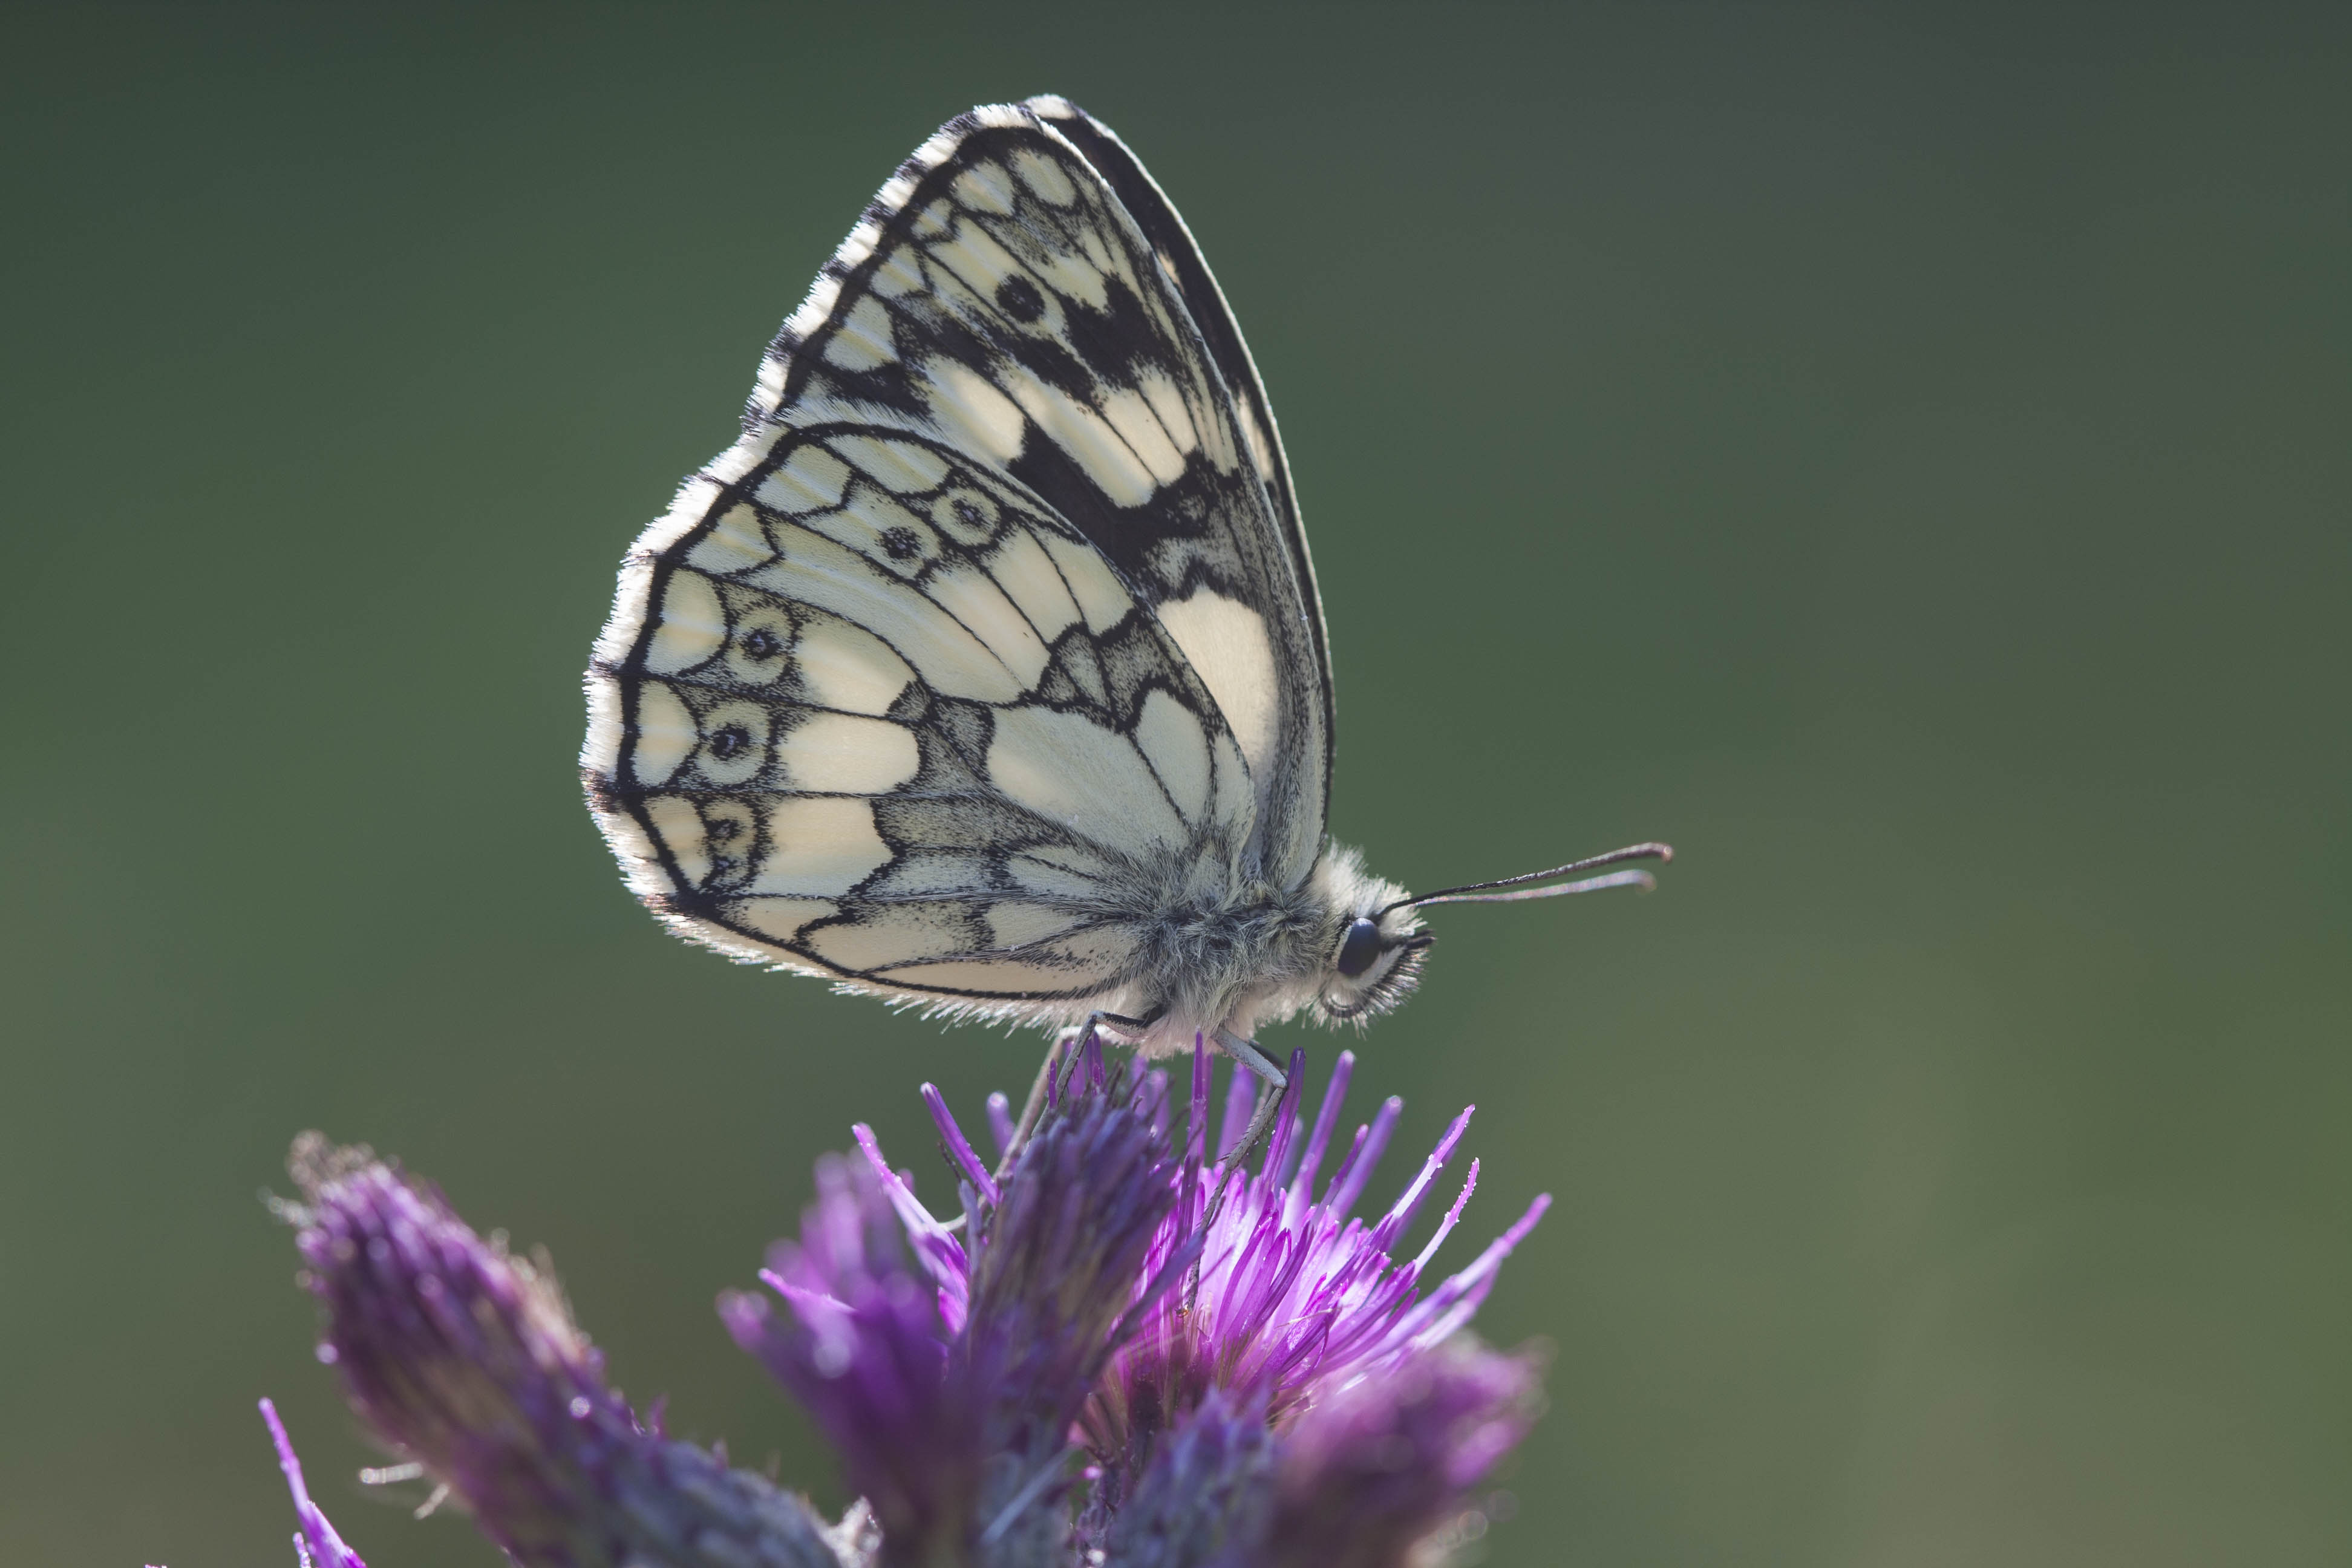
1245	1053
1097	1021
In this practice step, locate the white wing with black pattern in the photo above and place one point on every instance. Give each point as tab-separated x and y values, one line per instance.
994	639
886	717
1005	295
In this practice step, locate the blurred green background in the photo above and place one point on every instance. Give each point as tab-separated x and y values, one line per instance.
1904	463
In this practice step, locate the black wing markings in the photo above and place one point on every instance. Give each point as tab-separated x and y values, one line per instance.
907	290
1008	828
1172	241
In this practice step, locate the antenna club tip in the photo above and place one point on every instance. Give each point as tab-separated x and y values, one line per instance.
1665	852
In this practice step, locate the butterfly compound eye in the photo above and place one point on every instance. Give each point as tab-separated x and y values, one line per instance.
1358	948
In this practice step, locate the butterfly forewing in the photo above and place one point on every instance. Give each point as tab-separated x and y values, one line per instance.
993	639
1001	297
1181	260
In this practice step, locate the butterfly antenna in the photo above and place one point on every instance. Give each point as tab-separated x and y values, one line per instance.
1482	893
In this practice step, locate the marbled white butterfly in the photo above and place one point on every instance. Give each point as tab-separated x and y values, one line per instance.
986	672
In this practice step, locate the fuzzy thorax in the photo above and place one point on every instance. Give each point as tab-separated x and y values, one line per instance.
1263	954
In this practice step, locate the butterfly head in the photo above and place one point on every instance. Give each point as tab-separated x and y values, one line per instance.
1374	953
1373	942
1374	964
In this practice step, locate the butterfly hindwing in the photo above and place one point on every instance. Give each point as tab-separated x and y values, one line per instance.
882	715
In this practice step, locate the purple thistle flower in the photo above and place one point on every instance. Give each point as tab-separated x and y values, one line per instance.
1252	1375
1057	1271
316	1546
466	1360
1206	1495
951	1400
865	1350
1293	1296
1370	1470
1281	1296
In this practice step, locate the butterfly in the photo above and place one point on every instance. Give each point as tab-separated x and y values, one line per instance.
986	672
